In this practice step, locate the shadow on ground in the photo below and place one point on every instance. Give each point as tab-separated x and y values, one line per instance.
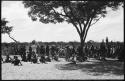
95	68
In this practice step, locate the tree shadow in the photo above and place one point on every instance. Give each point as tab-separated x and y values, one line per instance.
95	68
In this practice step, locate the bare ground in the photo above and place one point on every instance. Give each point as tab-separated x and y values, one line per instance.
91	69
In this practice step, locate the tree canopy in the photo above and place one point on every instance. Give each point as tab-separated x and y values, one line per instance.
82	14
79	13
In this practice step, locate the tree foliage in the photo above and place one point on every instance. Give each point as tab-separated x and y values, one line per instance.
4	27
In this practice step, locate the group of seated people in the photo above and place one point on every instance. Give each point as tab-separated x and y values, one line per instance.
42	59
16	61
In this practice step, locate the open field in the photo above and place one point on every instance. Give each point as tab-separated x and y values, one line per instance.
92	69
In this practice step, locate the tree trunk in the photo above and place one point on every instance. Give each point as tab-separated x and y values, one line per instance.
16	50
81	47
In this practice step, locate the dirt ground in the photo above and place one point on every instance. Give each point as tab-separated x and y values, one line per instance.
62	70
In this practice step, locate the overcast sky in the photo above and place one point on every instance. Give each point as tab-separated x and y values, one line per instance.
25	30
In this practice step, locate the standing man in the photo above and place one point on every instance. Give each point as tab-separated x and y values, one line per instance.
52	51
29	54
24	54
47	50
42	50
67	53
34	46
92	50
34	50
103	50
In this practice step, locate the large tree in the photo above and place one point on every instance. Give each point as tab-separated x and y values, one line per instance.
81	14
6	29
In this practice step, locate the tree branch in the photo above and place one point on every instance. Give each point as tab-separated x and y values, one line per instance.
80	26
83	23
87	29
76	27
72	21
58	13
83	32
88	23
76	19
96	21
12	38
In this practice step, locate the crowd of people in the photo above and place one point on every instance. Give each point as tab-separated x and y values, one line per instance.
43	54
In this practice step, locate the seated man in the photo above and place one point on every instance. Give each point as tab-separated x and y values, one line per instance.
42	59
74	59
34	59
56	58
29	57
47	58
16	61
8	59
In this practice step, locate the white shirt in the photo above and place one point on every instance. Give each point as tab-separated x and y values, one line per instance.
34	47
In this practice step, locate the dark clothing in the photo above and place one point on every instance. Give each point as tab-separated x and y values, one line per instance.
47	50
103	51
92	48
30	49
23	53
56	58
48	59
29	54
102	47
53	51
79	51
24	58
8	59
16	61
86	51
38	50
1	59
34	59
121	55
29	57
42	59
42	50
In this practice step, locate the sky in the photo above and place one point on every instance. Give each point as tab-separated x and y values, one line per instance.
26	30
